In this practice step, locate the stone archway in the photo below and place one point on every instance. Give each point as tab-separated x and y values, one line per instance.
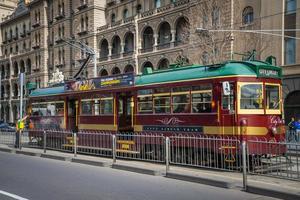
292	106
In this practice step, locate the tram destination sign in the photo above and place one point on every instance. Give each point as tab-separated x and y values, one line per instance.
98	83
194	129
272	73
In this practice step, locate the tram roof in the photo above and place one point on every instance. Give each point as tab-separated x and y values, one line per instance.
195	72
47	91
192	72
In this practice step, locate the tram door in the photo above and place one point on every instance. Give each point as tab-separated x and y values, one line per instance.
227	109
72	114
125	111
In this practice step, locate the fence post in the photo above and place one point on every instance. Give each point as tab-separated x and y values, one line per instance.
167	154
75	144
45	141
244	154
20	138
114	148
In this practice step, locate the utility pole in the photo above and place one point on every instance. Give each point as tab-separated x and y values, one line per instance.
21	79
282	32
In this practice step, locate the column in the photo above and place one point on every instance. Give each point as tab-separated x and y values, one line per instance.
109	52
173	33
122	50
155	41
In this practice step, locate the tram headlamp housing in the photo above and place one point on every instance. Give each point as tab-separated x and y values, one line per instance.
274	130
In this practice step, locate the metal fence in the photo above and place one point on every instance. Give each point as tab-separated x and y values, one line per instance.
7	137
267	158
276	159
208	152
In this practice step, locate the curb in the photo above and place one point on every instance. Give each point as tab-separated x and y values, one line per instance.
27	153
138	170
272	192
55	157
7	150
90	162
203	180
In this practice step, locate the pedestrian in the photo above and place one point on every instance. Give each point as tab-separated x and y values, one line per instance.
292	130
297	128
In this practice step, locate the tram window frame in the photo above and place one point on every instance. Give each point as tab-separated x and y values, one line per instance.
229	97
92	107
181	93
48	112
250	110
145	97
279	106
160	94
197	107
105	99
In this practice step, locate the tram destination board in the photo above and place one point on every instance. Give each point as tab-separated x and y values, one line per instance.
98	83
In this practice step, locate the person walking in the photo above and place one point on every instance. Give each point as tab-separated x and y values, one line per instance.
297	128
292	130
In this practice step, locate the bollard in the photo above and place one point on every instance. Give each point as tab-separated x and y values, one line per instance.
20	136
75	144
244	154
45	141
167	154
114	148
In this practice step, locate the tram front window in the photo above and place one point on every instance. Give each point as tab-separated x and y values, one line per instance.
273	100
251	96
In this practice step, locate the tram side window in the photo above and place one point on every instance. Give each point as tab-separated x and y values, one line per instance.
87	107
145	101
273	100
162	100
202	99
106	106
228	100
48	109
181	100
251	96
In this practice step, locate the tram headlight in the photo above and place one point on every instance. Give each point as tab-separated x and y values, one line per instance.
274	130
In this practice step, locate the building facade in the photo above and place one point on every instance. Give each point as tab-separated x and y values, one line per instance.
132	35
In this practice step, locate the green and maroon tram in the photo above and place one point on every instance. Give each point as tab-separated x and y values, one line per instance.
236	98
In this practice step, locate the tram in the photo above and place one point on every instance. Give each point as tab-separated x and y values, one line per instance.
241	99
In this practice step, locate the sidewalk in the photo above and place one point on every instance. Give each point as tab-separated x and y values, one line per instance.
278	188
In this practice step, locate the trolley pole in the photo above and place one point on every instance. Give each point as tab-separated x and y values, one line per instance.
244	154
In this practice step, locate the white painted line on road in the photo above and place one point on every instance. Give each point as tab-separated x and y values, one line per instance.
12	195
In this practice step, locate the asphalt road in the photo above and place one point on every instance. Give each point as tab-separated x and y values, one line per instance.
37	178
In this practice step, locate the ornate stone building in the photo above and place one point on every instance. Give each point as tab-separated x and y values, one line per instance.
130	35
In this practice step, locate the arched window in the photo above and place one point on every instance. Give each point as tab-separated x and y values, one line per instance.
182	31
129	43
215	16
157	3
125	14
103	72
113	18
138	8
148	40
147	66
164	35
163	64
116	46
128	69
248	15
115	70
104	49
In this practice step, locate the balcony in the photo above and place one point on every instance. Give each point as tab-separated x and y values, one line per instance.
128	53
82	6
60	16
83	32
116	55
22	35
145	50
36	24
60	65
117	23
163	46
59	40
103	58
36	46
111	2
